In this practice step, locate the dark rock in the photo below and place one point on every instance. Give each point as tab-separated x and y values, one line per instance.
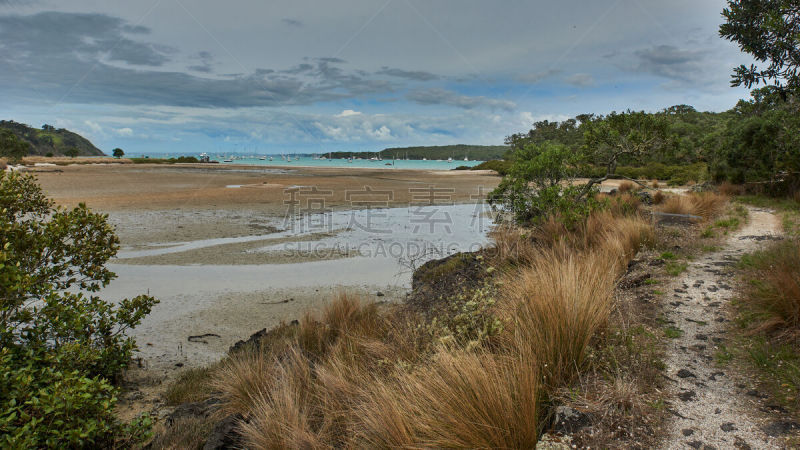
635	281
687	396
683	373
225	434
714	375
569	420
727	427
775	408
780	427
701	337
709	447
379	294
687	432
657	262
756	394
741	444
695	444
645	197
178	364
717	411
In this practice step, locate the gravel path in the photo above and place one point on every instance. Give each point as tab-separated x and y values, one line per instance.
710	409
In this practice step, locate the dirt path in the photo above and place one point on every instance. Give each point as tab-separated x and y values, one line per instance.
711	409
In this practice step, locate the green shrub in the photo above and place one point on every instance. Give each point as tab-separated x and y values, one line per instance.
45	404
62	348
498	165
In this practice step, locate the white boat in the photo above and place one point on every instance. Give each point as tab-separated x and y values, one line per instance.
450	159
465	158
263	158
270	158
227	160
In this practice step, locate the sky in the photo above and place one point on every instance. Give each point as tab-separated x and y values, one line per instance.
191	76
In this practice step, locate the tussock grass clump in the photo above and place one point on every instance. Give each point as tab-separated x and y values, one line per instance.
658	198
458	400
774	295
627	186
360	375
706	205
556	305
729	189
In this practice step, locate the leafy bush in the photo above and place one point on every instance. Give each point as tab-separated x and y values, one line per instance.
498	165
540	184
61	346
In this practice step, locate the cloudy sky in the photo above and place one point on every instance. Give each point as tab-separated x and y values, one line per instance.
311	76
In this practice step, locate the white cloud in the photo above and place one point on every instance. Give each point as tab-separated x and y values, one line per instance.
125	132
93	126
348	113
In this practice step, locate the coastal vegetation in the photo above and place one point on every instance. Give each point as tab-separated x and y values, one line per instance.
63	348
49	139
442	152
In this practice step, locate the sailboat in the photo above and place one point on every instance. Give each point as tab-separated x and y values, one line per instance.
465	157
450	159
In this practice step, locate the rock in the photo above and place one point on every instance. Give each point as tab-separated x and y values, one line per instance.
687	432
701	337
695	444
780	427
683	373
741	444
225	434
551	442
687	396
379	294
568	420
727	427
645	197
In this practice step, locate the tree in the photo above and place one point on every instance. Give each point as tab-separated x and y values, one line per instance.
118	153
541	183
71	152
770	31
12	147
62	347
620	138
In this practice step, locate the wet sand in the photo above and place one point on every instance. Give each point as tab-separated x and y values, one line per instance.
228	254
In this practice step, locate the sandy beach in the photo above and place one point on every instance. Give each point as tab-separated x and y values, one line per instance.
230	250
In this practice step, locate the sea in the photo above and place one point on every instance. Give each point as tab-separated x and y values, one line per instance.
310	161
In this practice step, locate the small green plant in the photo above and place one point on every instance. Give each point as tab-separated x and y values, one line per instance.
722	355
708	233
658	292
651	281
673	332
675	268
668	255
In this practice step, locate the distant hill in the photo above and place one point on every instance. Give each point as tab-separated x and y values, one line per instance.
457	152
49	139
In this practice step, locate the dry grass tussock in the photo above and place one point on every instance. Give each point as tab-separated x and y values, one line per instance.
357	375
707	205
729	189
555	307
627	186
775	293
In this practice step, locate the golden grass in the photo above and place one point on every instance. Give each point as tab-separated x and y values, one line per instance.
729	189
65	160
459	400
556	305
707	205
627	186
658	198
775	294
354	375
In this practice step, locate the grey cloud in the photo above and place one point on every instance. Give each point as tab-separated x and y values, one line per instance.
407	74
536	77
66	57
292	22
671	62
89	36
437	96
205	63
580	80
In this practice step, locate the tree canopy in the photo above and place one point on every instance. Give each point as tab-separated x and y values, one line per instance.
770	31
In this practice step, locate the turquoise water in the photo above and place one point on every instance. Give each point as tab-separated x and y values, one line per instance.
308	161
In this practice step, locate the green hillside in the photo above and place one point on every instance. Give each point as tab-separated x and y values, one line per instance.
458	152
49	139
